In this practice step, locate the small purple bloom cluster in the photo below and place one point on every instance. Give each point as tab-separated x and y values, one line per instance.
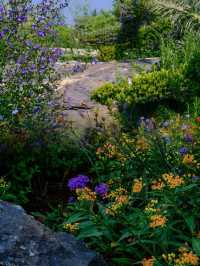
183	151
102	189
79	181
30	64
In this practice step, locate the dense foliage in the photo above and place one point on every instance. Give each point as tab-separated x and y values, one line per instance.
130	191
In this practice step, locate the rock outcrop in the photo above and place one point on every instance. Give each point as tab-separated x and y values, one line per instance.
26	242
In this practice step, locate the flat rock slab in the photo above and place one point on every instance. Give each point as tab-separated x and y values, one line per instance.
26	242
75	91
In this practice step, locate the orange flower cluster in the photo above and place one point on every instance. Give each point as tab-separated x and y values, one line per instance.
157	185
142	144
187	258
148	262
86	194
173	181
72	228
157	220
188	159
184	258
137	186
108	150
121	198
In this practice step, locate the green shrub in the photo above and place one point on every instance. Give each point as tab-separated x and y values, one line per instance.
146	87
107	52
150	37
192	73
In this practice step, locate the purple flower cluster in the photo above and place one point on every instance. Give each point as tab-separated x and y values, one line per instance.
79	181
102	189
30	64
188	138
183	151
147	123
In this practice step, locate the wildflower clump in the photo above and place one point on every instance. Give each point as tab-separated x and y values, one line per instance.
120	198
157	220
188	159
157	185
173	181
137	186
71	228
142	144
85	194
183	258
148	262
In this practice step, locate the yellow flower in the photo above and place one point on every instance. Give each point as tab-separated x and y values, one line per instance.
72	228
151	206
198	234
187	258
137	186
120	201
86	194
118	192
3	183
157	221
142	144
157	185
169	257
173	181
188	159
148	262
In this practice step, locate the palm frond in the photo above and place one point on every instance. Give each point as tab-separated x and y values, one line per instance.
184	14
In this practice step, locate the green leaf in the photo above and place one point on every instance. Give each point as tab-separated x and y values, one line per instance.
190	221
183	189
196	245
89	232
77	217
122	261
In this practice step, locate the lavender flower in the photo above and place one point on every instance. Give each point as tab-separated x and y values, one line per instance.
188	138
195	178
167	140
102	189
183	151
79	181
15	111
166	124
71	199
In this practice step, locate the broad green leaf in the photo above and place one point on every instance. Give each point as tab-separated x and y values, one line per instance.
196	245
190	221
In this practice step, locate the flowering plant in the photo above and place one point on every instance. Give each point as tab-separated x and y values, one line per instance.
141	205
26	64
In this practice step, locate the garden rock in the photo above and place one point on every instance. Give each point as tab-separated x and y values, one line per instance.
26	242
75	91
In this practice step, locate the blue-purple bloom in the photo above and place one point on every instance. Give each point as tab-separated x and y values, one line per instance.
188	138
71	199
79	181
195	178
166	124
167	140
101	189
15	111
183	151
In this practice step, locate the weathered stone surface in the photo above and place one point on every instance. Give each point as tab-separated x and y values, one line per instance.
76	90
26	242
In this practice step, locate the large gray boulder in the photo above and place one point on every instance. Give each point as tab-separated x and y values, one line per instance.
26	242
